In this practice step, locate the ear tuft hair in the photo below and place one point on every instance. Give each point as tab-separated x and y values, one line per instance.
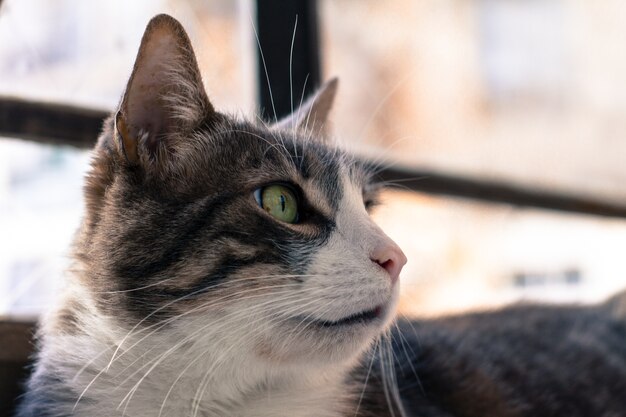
312	116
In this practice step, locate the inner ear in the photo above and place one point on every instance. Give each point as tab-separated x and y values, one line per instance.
165	96
312	116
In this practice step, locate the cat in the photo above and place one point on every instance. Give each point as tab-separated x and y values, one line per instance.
223	268
230	268
521	361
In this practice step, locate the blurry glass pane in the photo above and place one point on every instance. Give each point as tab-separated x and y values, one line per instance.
465	255
40	210
82	52
528	91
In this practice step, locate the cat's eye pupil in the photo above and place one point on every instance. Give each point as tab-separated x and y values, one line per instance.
278	201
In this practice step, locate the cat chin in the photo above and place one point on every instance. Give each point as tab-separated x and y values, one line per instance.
315	350
319	343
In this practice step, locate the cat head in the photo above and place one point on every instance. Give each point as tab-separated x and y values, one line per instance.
248	237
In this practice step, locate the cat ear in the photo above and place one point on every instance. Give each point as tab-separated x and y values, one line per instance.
164	98
312	116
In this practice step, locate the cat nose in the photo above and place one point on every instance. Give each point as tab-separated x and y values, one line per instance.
390	257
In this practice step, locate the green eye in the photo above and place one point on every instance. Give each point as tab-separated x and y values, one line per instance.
279	201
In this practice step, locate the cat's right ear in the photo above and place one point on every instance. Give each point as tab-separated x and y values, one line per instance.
164	98
312	116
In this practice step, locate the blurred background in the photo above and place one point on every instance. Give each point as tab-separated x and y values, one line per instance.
530	93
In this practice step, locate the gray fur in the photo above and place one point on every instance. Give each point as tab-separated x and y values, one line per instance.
521	361
186	298
174	249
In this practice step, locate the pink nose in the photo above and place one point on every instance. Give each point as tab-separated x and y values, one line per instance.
389	256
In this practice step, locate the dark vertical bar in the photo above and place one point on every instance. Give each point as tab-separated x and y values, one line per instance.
275	27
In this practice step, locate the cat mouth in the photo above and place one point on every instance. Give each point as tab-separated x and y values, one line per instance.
364	317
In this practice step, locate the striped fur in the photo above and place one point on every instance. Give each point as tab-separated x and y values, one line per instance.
187	299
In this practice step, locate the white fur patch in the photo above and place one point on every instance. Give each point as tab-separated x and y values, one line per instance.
248	360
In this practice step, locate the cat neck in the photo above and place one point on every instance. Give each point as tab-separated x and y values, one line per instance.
152	378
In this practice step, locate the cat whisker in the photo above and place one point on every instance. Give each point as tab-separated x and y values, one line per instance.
85	366
391	185
136	343
381	161
384	370
189	337
305	320
390	385
367	375
160	359
205	380
159	325
154	284
163	323
143	287
186	296
241	312
409	359
382	102
264	123
293	39
280	147
299	111
267	76
294	123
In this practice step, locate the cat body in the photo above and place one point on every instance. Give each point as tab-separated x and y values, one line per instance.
521	361
230	268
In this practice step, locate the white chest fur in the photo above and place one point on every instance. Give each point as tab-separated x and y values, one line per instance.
158	376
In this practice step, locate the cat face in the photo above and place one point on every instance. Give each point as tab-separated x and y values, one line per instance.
229	236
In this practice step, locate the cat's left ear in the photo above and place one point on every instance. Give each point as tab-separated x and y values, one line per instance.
165	97
312	116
